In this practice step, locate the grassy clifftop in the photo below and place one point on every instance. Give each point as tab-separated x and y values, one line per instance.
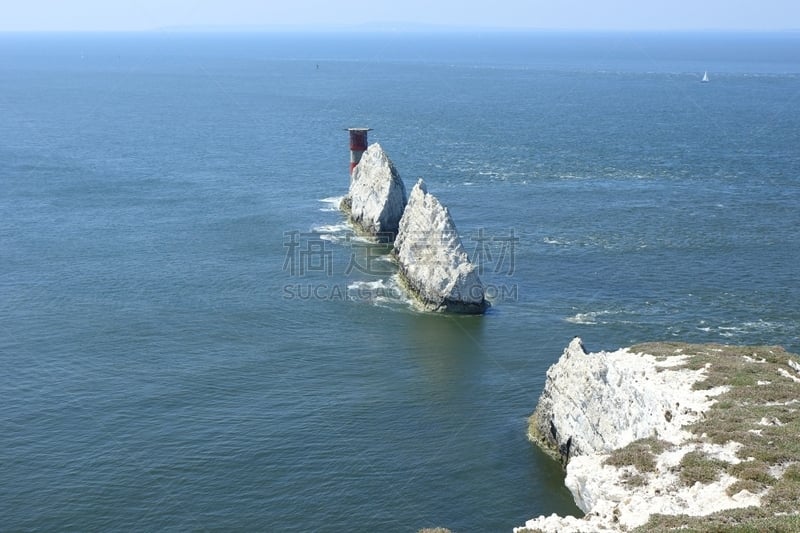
760	411
731	466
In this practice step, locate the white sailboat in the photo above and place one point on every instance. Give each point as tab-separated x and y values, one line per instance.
705	77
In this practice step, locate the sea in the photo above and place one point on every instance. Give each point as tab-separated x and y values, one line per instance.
192	338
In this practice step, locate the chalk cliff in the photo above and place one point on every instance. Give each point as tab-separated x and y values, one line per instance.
640	436
432	260
603	401
377	196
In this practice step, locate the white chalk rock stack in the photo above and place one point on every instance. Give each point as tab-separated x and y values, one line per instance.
377	195
433	262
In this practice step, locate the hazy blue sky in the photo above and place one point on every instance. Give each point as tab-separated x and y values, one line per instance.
548	14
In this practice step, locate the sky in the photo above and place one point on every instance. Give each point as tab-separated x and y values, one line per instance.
626	15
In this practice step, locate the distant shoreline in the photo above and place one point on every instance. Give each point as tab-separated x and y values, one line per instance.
400	29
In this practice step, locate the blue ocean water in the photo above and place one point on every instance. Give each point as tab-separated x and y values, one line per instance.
192	339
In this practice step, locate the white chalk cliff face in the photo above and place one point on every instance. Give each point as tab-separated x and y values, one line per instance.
377	195
594	403
604	401
432	259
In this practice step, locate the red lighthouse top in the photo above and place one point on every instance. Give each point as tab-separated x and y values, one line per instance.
358	144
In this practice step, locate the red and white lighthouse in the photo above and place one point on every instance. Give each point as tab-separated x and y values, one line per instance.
358	144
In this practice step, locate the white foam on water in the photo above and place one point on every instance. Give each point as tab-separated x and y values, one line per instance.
331	204
388	293
335	232
331	228
368	285
590	318
582	318
751	327
361	239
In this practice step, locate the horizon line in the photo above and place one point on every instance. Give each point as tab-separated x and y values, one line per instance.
391	28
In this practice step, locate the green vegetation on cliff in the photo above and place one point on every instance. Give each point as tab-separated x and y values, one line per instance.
761	411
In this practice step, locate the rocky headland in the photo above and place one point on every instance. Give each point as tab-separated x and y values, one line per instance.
670	436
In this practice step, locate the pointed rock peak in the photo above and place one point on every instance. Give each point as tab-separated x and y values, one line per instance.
375	150
377	195
576	346
433	262
376	155
373	156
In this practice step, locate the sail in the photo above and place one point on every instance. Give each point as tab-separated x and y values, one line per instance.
705	77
